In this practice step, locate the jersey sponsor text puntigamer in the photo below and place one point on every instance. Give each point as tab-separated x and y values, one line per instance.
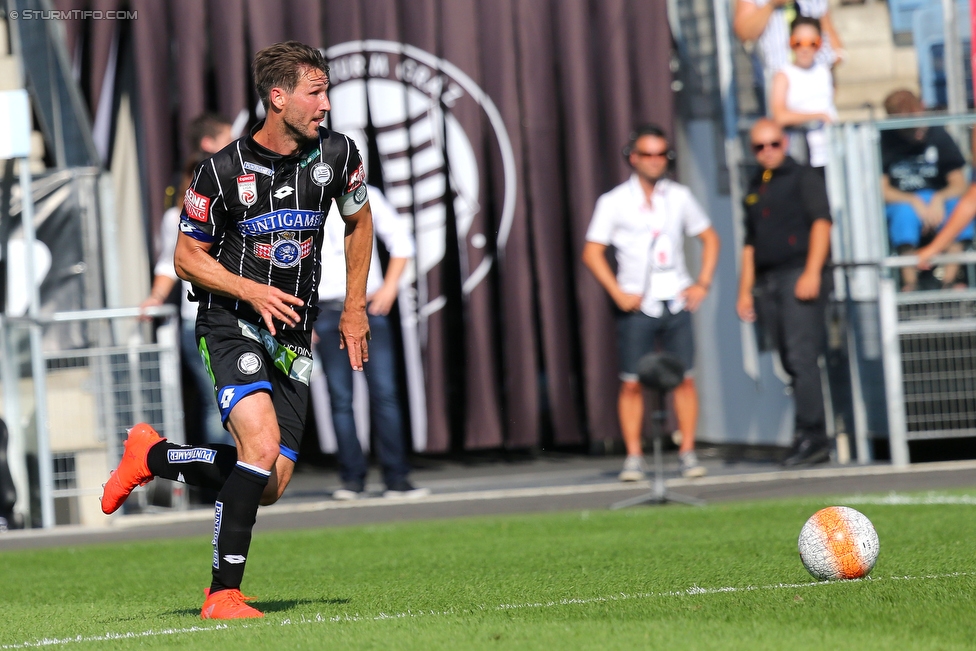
264	213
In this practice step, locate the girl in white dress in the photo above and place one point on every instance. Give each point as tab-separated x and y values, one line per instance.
803	91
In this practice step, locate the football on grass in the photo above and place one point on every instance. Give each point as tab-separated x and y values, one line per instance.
838	542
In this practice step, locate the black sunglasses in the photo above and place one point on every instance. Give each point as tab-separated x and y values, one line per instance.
759	146
650	154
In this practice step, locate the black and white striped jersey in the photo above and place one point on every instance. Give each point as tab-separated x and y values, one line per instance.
264	213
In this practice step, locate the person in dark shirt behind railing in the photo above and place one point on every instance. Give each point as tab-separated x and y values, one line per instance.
783	283
960	220
922	179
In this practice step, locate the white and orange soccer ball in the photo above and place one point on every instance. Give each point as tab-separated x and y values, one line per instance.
838	542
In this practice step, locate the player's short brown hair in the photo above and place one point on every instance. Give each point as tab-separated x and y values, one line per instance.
281	66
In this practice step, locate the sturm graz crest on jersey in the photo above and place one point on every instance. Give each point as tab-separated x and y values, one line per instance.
321	174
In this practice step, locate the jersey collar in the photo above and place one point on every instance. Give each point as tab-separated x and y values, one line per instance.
274	156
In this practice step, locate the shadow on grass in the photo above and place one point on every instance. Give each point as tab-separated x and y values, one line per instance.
265	606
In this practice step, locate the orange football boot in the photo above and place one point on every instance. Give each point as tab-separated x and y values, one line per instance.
227	604
132	470
206	593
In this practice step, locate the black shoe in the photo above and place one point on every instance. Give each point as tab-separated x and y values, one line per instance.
807	452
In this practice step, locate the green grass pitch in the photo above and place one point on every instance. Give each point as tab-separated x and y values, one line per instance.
725	576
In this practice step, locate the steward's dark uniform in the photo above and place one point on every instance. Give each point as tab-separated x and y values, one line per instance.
781	206
264	214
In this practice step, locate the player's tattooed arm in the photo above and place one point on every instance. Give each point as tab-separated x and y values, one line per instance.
195	265
354	324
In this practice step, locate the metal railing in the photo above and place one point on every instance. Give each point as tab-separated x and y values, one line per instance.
88	398
923	338
929	342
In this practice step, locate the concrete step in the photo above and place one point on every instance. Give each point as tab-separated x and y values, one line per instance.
867	24
874	66
876	63
10	73
854	96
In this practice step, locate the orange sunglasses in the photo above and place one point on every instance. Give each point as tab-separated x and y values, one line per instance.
802	42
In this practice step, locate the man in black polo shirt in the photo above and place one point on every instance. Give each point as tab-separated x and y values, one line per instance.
783	281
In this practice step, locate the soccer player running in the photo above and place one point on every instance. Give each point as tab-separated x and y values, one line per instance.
250	243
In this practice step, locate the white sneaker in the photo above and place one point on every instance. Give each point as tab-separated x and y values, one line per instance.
404	490
690	468
347	493
634	468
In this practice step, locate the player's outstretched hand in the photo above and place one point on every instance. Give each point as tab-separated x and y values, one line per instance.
272	303
354	336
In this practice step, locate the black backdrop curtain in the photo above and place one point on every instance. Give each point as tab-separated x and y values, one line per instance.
518	339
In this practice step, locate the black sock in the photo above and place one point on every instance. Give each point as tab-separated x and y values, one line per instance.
206	466
234	514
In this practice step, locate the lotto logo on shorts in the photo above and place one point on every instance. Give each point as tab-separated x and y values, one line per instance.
189	456
226	398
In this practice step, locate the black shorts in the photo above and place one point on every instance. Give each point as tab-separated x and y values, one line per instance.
241	358
639	334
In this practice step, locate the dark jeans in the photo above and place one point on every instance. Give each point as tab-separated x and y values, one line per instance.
797	329
384	401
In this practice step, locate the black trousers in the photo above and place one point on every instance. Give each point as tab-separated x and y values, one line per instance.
797	329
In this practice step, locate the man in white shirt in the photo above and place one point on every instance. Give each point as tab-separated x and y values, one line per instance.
381	292
646	219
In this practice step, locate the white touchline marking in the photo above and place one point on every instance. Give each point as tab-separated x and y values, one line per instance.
111	636
692	591
897	499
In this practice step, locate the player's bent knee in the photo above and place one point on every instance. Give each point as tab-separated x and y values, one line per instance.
274	490
279	480
262	455
270	495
